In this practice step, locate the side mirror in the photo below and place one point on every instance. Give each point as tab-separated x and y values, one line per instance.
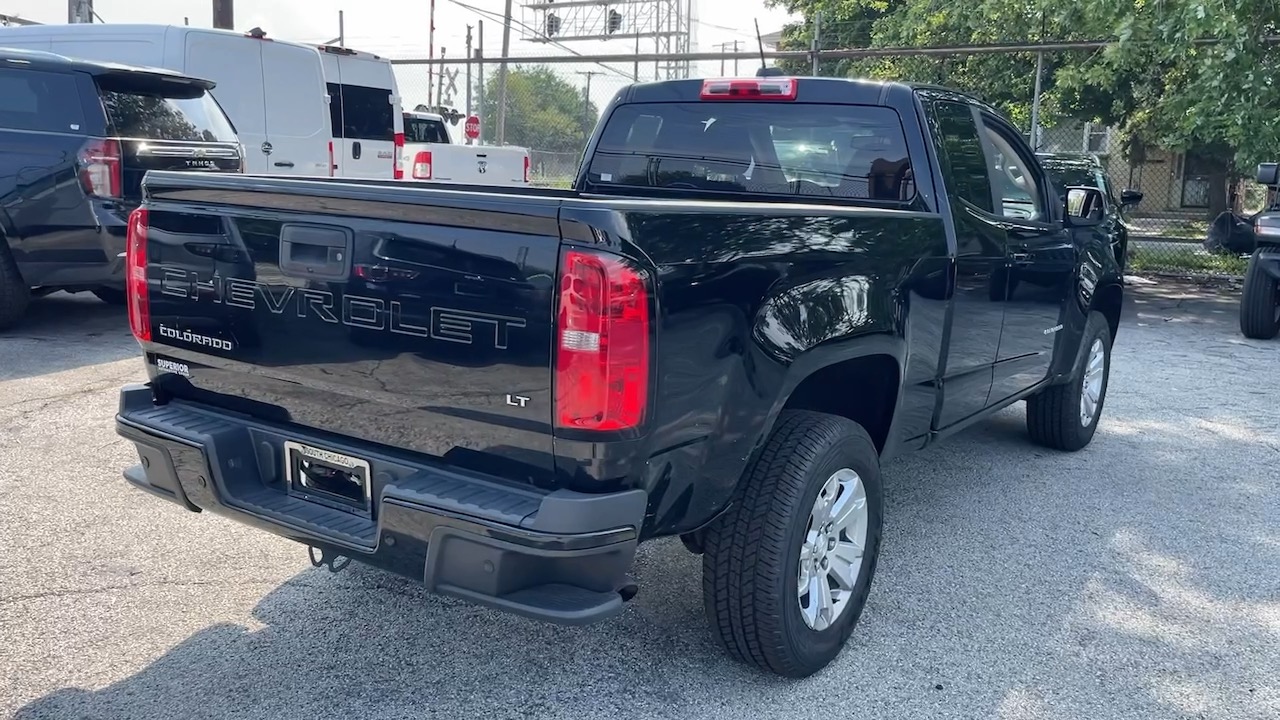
1084	206
1269	174
1130	197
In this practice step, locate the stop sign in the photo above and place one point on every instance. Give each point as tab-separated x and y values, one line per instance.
472	127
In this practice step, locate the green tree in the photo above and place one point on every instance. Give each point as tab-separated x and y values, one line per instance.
1159	84
544	111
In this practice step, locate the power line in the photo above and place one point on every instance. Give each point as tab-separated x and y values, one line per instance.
498	18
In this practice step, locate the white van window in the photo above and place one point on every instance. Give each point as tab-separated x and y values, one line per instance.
142	110
357	112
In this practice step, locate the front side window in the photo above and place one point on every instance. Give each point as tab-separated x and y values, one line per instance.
145	109
1017	189
851	152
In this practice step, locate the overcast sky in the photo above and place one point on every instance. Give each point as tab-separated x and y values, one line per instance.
398	29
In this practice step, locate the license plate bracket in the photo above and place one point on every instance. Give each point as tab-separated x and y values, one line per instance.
329	478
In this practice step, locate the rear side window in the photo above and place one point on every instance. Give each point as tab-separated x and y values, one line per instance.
144	109
964	165
856	152
422	130
357	112
38	100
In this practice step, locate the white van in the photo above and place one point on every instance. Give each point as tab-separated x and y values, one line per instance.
364	113
273	91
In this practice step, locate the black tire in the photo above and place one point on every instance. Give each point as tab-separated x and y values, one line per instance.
14	293
112	296
1054	414
751	555
1259	302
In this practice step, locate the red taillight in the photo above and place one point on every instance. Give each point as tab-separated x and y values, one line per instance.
398	172
526	168
101	173
602	349
422	165
749	89
136	275
332	167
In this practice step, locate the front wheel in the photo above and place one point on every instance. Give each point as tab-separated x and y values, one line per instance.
1259	302
1065	417
786	570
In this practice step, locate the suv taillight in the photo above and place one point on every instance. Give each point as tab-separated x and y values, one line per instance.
422	165
397	171
100	168
136	275
526	168
602	348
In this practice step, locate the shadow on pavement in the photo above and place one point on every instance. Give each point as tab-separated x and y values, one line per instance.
999	595
63	331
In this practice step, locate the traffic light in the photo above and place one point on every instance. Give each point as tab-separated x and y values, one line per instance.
553	24
614	22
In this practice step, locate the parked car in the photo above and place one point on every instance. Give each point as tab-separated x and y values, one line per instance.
695	341
1068	170
77	137
364	113
431	155
274	91
1260	297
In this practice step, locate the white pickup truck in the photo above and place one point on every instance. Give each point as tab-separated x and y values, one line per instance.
429	155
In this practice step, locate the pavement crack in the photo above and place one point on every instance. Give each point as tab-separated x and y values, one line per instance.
70	592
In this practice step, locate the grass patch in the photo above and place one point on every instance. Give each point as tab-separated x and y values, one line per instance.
1192	262
557	183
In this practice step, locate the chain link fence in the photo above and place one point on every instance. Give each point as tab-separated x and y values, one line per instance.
553	104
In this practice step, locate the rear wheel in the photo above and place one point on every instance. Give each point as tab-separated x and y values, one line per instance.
786	570
1064	417
111	296
1259	302
14	293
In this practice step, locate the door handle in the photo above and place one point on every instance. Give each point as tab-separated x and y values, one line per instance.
1021	256
286	163
315	252
355	150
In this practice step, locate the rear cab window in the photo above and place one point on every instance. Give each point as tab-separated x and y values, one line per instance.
141	107
772	150
39	100
425	130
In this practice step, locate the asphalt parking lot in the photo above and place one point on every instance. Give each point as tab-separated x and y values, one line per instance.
1139	578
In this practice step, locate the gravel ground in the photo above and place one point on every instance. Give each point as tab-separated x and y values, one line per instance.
1136	579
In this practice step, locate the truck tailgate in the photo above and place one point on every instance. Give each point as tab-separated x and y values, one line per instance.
412	317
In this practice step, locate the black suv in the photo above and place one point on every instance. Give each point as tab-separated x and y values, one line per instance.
76	138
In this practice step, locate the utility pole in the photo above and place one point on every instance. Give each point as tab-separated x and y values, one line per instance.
484	121
635	70
587	122
431	49
440	80
725	46
502	74
817	41
79	11
224	14
468	56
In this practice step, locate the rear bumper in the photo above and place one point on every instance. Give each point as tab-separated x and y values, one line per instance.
556	556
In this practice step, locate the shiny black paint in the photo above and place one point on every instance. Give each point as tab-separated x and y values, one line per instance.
749	299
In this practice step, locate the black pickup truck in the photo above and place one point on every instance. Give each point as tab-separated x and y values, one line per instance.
758	290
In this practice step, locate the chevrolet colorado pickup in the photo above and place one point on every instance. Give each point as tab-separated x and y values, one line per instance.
501	392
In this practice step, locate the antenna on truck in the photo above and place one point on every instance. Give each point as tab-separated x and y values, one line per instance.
765	70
